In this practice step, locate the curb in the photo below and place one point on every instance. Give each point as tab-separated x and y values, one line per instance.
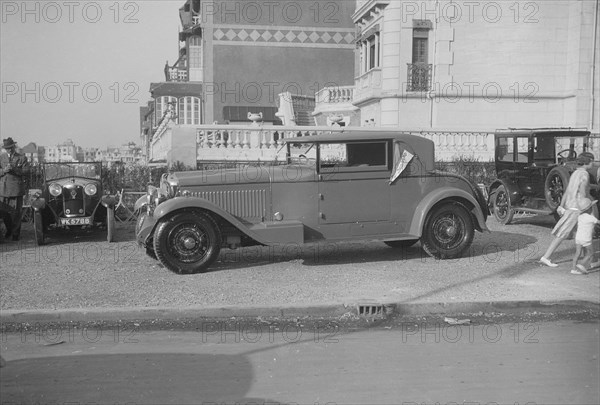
362	309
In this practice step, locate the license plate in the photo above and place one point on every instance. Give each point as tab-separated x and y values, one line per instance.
76	221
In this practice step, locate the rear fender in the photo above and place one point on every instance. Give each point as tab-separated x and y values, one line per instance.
449	194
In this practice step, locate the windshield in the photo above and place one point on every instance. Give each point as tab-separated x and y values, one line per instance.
61	170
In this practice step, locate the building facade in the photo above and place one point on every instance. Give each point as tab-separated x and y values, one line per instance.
33	153
64	152
446	65
237	57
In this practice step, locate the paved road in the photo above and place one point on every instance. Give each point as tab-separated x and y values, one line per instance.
525	363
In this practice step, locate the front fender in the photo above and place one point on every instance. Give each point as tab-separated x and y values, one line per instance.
186	202
140	202
511	189
434	197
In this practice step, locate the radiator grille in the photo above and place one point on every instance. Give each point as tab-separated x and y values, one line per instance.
240	203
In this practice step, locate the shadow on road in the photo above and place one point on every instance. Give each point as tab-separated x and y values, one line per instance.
339	253
158	378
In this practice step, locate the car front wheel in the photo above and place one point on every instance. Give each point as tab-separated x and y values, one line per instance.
187	242
448	231
502	209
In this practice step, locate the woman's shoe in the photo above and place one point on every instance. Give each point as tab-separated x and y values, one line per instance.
547	262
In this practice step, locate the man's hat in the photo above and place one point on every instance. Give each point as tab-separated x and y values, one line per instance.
8	143
586	204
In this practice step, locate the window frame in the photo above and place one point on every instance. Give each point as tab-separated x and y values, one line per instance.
386	167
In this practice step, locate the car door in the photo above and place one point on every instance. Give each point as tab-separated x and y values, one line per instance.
528	176
354	185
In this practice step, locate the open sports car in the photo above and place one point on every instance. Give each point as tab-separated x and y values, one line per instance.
72	196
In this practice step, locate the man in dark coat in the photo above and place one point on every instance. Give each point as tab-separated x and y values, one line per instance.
13	168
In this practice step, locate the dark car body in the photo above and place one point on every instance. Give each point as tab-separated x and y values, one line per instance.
375	185
533	167
72	195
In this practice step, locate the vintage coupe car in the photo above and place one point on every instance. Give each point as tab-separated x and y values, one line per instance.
533	168
72	196
374	185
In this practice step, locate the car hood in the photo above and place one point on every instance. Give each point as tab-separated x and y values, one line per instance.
244	175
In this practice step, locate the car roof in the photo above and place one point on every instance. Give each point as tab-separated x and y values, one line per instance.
355	135
550	132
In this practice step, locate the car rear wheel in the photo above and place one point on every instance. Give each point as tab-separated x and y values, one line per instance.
110	224
38	227
401	243
555	185
448	231
501	206
187	242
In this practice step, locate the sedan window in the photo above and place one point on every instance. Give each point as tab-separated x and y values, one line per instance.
353	154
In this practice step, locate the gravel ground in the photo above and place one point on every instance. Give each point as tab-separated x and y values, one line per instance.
82	270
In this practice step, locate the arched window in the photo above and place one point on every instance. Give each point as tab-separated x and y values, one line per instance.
189	110
162	105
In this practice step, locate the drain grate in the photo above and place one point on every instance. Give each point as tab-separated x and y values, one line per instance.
371	310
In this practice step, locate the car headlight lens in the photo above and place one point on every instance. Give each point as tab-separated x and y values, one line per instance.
90	189
55	189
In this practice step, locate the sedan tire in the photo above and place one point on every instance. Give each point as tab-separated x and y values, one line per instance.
187	242
448	231
555	186
501	207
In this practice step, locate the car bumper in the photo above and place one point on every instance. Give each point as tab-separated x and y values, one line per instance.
143	228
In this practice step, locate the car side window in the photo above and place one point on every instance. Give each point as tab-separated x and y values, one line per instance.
333	155
353	155
505	149
522	149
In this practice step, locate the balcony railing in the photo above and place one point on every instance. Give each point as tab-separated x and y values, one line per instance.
419	77
337	94
178	75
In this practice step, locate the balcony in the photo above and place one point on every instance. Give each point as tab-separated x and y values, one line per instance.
335	100
177	75
368	87
335	95
418	77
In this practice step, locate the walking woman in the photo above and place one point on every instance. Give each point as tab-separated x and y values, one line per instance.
577	190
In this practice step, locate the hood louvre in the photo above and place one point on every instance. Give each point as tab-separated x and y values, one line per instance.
240	203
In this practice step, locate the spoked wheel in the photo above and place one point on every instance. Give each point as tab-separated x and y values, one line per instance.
38	227
110	224
448	231
501	207
188	242
555	186
401	243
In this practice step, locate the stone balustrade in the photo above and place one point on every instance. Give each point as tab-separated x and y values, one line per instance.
335	94
265	143
452	145
249	143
